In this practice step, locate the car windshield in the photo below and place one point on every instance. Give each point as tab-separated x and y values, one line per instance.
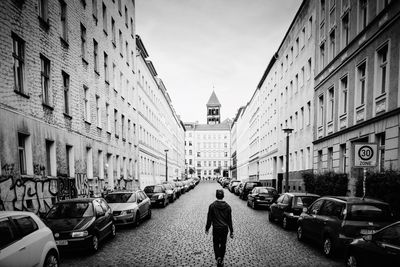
369	212
119	198
264	190
235	183
249	185
153	189
304	201
70	210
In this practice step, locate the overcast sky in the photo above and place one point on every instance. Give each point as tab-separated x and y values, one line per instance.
196	45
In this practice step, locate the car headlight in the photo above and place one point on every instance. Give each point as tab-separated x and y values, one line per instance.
125	212
80	234
160	196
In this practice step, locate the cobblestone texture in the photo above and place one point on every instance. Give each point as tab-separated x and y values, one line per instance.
174	236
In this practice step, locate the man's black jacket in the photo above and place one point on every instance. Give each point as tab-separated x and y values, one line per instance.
219	215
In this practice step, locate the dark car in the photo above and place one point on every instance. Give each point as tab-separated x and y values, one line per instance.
239	188
181	187
226	182
334	222
289	206
232	185
129	207
261	196
247	188
157	195
379	249
80	223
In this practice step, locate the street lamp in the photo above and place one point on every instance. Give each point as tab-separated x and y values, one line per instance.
166	164
287	131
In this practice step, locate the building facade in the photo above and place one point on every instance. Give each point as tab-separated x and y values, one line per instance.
68	101
208	146
357	96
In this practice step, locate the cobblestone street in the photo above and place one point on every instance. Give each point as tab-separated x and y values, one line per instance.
175	236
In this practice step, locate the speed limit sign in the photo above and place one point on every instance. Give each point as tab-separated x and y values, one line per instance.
365	155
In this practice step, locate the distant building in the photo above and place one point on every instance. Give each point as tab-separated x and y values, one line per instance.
207	146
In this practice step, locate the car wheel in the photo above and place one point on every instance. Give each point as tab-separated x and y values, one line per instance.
351	261
95	243
51	260
270	218
285	223
300	233
327	246
137	219
149	214
113	231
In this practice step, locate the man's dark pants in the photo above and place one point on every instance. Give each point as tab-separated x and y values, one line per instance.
220	234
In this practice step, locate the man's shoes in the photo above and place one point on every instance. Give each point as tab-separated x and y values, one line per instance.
219	262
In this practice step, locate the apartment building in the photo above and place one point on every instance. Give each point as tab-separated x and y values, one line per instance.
357	96
208	146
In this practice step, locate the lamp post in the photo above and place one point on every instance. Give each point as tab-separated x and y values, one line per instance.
287	131
166	165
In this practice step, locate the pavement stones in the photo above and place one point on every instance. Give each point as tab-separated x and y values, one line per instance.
174	236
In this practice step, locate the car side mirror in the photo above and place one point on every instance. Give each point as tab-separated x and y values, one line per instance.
139	200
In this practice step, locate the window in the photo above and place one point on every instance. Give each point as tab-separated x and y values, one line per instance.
381	138
362	14
361	71
43	10
321	110
119	7
296	83
345	30
22	153
343	94
310	22
106	67
322	10
126	16
65	78
25	224
108	117
382	4
7	232
98	111
86	103
120	43
382	69
64	22
322	55
113	33
116	122
332	44
301	117
45	79
105	28
297	47
114	77
331	103
302	77
303	37
330	158
342	158
83	41
319	160
19	63
132	28
94	9
50	158
89	162
309	69
95	56
332	17
123	126
70	161
127	52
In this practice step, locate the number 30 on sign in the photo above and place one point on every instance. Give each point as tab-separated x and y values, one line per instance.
365	155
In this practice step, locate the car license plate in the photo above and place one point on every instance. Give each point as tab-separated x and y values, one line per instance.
367	231
61	242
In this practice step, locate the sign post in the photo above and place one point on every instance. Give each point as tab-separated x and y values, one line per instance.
365	156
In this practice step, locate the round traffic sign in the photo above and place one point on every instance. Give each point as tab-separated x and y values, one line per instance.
366	152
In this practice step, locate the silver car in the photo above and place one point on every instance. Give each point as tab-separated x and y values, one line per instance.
129	207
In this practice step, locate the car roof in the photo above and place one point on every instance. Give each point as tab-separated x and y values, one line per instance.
124	192
80	199
301	194
14	213
356	200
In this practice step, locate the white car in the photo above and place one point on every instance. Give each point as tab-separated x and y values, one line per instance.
26	241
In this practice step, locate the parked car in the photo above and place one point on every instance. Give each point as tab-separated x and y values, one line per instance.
289	206
335	221
26	241
129	207
261	196
176	189
181	187
157	195
226	182
379	249
80	223
239	188
247	188
232	185
170	192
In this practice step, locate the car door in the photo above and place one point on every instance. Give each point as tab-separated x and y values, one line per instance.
274	206
251	195
282	206
308	218
11	251
146	202
141	204
108	215
388	245
100	221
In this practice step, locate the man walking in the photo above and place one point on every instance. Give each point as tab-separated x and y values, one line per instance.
220	216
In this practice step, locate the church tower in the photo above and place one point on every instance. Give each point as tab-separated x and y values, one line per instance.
213	110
